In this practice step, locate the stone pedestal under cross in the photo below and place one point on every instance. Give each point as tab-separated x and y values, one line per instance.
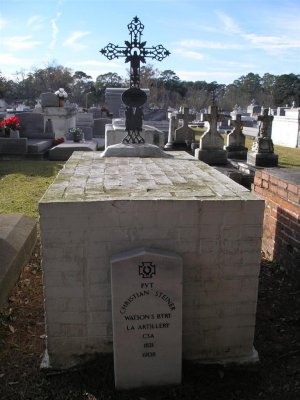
235	144
262	152
211	142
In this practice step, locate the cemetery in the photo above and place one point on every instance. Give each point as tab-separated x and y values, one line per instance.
159	258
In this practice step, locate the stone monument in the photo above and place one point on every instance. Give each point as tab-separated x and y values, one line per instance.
184	134
235	145
147	317
262	152
254	109
63	118
134	98
211	142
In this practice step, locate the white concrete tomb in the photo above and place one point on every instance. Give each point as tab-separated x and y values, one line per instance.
99	207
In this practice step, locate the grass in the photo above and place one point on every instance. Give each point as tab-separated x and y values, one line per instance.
288	157
23	183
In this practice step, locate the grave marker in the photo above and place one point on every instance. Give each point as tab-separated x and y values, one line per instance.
236	140
211	142
147	318
184	134
262	152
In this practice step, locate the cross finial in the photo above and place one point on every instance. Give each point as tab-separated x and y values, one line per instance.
135	51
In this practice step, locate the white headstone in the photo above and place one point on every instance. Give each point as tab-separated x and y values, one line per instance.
147	318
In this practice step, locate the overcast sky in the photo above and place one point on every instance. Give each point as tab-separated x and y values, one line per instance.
211	40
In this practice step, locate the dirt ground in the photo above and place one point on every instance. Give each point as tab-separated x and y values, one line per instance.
276	376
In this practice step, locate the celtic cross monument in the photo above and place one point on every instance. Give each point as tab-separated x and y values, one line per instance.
135	52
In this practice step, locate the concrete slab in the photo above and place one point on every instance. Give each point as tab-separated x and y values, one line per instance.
18	235
134	150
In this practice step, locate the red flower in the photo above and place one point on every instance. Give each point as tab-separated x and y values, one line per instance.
11	122
58	141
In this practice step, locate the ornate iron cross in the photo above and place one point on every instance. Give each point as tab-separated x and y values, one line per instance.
136	53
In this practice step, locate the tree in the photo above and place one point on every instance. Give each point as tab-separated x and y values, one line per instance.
111	79
3	86
81	86
286	89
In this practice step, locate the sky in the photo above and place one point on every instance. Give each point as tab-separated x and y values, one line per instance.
209	40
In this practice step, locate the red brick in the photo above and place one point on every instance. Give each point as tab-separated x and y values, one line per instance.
258	189
294	198
274	213
282	184
282	193
273	188
258	174
284	204
265	184
265	176
293	188
257	181
274	180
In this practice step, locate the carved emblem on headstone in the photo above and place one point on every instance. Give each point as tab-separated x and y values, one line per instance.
147	269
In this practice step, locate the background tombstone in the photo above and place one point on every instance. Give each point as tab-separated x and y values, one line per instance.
49	99
254	108
236	140
262	152
184	135
211	142
147	318
114	103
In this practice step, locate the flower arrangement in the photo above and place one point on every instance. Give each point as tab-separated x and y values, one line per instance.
11	123
61	93
76	134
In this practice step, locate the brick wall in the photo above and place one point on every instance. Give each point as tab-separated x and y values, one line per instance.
281	235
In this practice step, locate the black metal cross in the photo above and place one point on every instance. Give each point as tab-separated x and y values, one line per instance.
135	51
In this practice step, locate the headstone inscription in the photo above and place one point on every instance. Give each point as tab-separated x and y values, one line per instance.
211	142
147	318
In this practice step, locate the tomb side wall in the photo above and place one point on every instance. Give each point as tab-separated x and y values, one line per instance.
219	241
281	228
285	131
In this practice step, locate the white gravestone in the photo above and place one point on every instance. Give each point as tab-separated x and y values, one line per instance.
147	318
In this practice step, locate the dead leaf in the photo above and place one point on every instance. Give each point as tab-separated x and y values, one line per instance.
11	328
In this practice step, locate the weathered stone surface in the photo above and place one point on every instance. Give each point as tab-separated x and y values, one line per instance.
134	150
147	317
115	133
49	99
17	238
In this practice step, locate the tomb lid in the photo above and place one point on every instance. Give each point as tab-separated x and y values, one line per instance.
89	177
